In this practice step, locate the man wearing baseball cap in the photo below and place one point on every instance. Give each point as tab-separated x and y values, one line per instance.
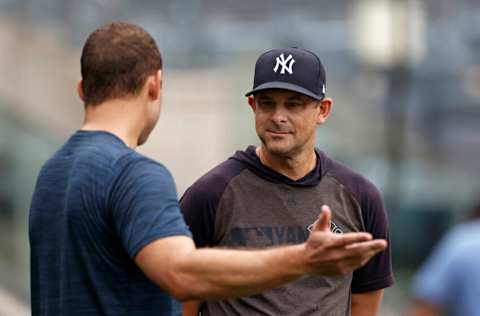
270	195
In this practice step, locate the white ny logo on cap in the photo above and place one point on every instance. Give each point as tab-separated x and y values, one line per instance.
281	61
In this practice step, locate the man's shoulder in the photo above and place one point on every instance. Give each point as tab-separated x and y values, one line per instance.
356	183
200	201
219	177
139	162
135	170
120	157
209	188
99	159
92	149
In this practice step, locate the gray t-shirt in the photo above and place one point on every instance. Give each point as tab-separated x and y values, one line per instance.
243	204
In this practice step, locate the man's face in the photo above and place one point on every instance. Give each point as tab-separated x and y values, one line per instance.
286	121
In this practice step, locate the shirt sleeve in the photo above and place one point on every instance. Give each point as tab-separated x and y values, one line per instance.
199	204
200	201
377	273
144	204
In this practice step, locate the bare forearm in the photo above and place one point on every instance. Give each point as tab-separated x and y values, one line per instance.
214	273
367	304
188	273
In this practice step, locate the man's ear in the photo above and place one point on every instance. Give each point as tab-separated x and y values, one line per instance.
154	85
80	90
251	102
325	108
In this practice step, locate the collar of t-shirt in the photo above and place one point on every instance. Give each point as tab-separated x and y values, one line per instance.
252	161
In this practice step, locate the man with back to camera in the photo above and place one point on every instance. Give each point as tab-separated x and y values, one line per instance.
106	233
269	195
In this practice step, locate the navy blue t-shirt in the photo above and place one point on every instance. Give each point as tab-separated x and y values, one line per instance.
95	205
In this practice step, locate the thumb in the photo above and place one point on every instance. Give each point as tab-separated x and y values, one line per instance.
323	221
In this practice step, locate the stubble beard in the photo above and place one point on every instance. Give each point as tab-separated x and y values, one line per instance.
284	152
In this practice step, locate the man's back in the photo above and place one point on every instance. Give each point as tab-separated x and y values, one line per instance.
93	208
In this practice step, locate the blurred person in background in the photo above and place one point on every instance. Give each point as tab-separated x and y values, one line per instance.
449	280
270	195
106	233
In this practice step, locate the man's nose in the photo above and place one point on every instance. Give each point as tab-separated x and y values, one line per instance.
279	114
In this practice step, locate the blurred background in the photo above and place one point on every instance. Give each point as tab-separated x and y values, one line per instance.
404	74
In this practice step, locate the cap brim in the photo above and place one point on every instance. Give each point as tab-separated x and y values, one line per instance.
285	86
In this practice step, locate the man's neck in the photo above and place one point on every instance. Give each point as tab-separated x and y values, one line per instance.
294	167
116	117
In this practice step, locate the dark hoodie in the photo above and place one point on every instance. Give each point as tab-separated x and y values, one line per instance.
242	203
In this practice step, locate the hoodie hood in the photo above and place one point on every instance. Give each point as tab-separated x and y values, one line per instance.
249	158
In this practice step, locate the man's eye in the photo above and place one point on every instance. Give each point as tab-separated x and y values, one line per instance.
266	104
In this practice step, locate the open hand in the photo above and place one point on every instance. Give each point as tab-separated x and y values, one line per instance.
327	253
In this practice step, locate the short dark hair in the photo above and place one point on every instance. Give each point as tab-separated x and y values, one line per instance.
116	60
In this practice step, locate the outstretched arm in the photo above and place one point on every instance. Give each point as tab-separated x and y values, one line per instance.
189	273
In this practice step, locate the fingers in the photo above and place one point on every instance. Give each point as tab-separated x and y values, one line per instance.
323	221
363	251
343	260
356	255
349	263
337	254
342	240
374	245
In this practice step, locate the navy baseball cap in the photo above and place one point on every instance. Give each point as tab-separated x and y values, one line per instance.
294	69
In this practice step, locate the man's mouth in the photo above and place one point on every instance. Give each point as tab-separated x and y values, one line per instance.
278	132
